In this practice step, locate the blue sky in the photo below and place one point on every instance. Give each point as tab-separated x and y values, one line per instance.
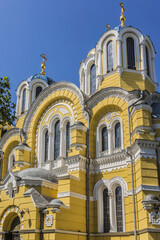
65	31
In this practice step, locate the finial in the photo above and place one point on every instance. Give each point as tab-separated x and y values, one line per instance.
43	65
122	17
108	26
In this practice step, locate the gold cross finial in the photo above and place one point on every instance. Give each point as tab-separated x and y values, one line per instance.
122	17
43	65
108	26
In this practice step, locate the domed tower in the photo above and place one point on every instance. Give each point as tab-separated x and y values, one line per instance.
28	90
123	57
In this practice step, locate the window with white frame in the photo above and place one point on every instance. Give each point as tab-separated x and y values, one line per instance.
110	56
109	195
38	90
11	160
57	139
46	142
67	138
147	61
92	79
23	100
130	53
109	138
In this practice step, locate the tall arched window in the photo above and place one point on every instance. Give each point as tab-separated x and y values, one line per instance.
147	62
104	139
130	53
46	141
67	138
38	90
92	79
119	215
23	100
57	139
106	217
117	135
110	57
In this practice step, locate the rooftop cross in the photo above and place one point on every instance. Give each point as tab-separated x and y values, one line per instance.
122	17
43	65
108	26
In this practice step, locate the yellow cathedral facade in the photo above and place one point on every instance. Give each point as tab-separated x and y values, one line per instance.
83	164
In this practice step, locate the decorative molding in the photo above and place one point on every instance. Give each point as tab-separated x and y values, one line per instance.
154	218
144	188
49	220
10	133
73	194
49	90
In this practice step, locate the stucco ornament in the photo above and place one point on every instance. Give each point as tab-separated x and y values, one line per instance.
154	218
49	220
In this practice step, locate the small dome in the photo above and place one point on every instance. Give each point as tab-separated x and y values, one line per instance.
56	203
79	123
151	198
37	173
42	77
91	52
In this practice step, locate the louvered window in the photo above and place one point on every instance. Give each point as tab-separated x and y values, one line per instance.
67	138
130	53
147	62
23	100
57	140
46	146
104	139
117	135
119	216
110	57
38	90
106	210
93	79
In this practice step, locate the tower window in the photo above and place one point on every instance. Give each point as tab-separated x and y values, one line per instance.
110	57
23	100
104	139
130	53
119	214
106	210
147	62
67	138
46	146
57	140
38	90
93	79
117	135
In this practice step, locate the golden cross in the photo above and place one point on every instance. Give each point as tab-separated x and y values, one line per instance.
122	17
43	65
108	26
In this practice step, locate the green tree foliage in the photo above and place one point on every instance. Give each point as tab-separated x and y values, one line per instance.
6	106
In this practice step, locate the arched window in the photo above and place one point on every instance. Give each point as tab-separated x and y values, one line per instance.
147	62
106	217
130	53
110	57
23	100
38	90
67	138
57	139
104	139
119	215
92	79
46	138
117	135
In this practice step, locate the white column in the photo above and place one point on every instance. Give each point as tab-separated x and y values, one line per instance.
50	147
111	213
119	52
86	81
143	57
18	105
153	70
62	135
110	141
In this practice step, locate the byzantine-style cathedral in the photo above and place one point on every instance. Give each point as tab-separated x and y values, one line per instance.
83	164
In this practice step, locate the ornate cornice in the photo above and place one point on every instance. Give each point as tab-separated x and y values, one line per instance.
110	92
50	89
